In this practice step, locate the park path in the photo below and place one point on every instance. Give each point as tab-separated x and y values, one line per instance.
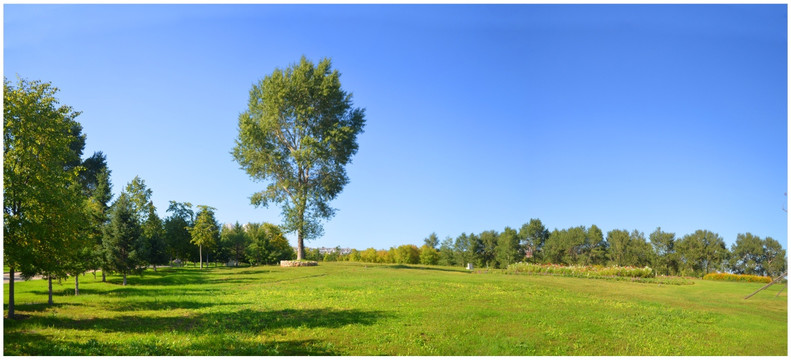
18	276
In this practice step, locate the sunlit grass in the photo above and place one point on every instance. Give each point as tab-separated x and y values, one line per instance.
365	309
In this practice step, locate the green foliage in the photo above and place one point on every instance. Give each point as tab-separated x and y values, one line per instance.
278	246
486	245
267	244
508	250
532	237
177	234
629	249
236	241
428	255
140	197
432	240
406	254
123	241
368	255
297	134
752	255
205	232
666	260
45	229
446	255
154	237
701	253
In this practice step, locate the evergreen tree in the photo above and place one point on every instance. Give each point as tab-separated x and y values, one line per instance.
123	239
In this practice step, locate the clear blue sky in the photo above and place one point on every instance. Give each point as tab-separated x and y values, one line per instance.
478	117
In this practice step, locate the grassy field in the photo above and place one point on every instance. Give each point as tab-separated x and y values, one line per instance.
364	309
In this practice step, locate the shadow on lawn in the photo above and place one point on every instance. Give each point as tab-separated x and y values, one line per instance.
28	343
246	321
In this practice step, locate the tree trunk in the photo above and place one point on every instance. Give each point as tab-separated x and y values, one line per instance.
103	278
124	278
49	279
76	284
11	294
300	246
200	255
155	267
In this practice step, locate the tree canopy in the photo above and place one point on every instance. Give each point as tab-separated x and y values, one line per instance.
297	134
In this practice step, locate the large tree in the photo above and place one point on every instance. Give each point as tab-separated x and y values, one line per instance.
666	258
702	252
298	133
42	206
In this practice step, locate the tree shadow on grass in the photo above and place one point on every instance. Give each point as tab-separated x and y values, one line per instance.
156	305
29	343
246	321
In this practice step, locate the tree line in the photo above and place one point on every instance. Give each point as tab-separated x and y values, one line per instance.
58	218
695	254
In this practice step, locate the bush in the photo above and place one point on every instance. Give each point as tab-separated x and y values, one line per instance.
737	277
579	270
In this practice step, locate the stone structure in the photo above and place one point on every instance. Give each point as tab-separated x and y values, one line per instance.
288	263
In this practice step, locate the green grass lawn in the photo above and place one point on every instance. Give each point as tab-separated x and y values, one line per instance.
359	309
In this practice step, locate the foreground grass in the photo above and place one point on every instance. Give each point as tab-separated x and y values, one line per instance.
364	309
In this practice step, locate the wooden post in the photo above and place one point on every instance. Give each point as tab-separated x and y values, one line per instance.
768	285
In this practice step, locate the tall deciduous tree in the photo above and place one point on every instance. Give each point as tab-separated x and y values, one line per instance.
42	209
774	257
446	254
298	133
508	250
532	237
702	252
664	244
205	233
747	255
432	240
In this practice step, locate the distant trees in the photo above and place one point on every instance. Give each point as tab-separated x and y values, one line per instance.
428	255
752	255
235	239
693	255
177	234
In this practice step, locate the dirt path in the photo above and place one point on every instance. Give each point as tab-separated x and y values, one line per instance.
18	277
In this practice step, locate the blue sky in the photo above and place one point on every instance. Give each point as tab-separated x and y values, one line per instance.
478	117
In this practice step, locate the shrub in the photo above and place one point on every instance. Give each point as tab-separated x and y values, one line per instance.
737	277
